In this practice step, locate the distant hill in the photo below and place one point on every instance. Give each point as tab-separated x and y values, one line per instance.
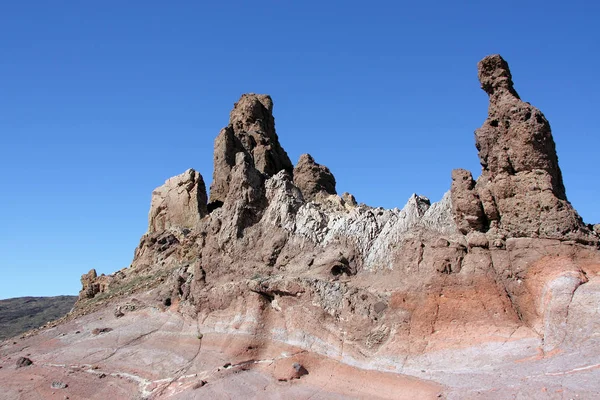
21	314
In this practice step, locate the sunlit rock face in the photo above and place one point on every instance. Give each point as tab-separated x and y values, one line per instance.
180	202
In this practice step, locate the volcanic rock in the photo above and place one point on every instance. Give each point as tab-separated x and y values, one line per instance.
520	190
349	199
289	371
98	331
246	194
491	292
312	178
92	284
23	362
180	202
466	205
251	130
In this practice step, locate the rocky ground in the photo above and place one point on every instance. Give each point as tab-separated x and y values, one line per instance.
152	352
274	286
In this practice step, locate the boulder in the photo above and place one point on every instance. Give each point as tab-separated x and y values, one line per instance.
23	362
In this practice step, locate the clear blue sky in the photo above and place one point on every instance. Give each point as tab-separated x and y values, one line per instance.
101	102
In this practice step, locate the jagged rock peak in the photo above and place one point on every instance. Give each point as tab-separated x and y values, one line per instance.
313	178
494	75
252	112
417	205
520	192
251	130
253	124
180	202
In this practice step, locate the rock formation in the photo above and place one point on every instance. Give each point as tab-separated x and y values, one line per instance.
279	284
251	130
312	178
181	201
466	205
92	284
520	192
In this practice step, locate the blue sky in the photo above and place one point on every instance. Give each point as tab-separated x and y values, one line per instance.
101	102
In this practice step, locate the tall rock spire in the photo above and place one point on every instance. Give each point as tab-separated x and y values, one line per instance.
520	192
251	130
516	137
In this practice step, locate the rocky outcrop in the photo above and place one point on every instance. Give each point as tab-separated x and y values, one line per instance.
92	284
251	131
520	192
180	202
478	291
313	178
246	196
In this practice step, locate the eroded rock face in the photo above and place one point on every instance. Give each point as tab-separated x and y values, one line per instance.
313	178
246	196
520	192
251	130
180	202
466	205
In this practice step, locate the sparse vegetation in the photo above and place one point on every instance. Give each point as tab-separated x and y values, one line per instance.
21	314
